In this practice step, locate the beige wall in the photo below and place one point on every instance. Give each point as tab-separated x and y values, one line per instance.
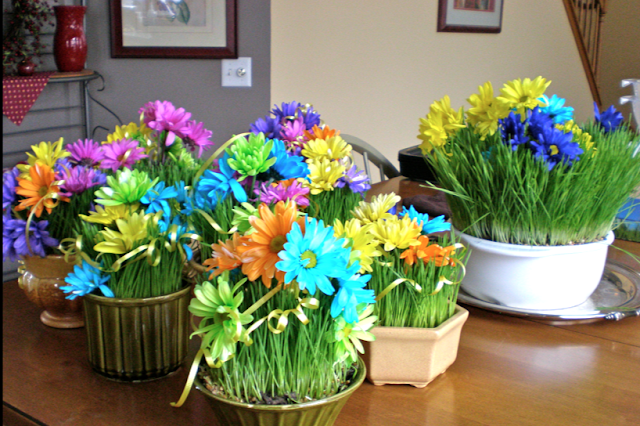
619	52
372	68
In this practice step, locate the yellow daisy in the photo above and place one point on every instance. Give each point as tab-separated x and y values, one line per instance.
441	122
523	94
581	137
46	153
363	245
485	111
377	209
106	215
396	233
130	131
323	174
132	230
332	148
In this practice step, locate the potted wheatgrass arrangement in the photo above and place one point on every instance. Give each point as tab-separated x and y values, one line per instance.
289	155
283	313
533	194
416	279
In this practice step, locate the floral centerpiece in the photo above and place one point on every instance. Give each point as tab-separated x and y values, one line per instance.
416	279
517	169
283	312
290	155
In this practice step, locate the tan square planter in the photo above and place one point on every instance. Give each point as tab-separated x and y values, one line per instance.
413	356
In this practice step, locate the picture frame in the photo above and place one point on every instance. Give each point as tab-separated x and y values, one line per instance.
185	29
470	16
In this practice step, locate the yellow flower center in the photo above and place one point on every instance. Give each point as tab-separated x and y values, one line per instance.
554	150
312	259
277	243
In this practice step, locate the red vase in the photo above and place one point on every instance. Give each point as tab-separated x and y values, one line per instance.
69	41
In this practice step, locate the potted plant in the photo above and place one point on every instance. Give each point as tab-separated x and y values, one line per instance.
282	318
416	280
532	194
41	201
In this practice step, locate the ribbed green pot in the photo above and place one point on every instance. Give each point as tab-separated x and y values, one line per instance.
322	412
137	339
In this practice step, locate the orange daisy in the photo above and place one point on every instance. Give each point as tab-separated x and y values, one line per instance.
318	133
39	189
440	255
259	254
225	256
410	255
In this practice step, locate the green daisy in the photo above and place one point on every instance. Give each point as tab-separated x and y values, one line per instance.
222	322
126	187
250	157
347	336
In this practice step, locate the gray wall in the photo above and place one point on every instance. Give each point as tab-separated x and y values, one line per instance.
193	84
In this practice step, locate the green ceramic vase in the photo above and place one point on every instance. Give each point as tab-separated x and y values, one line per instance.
137	339
314	413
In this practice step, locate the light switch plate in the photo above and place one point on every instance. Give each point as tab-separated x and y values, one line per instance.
236	72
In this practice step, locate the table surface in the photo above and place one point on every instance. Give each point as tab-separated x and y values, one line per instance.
509	371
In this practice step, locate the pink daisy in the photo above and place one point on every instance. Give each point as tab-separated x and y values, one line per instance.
196	136
285	190
122	153
86	153
293	130
163	116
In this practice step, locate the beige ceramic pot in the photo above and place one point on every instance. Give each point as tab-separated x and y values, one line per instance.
41	282
413	356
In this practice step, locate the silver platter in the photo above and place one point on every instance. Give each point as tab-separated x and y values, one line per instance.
616	297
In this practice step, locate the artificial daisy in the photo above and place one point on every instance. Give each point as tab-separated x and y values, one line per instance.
132	132
364	248
580	136
197	137
555	146
121	154
269	126
164	118
348	335
109	214
222	322
9	182
512	130
554	106
485	111
609	119
378	208
14	238
351	293
323	175
522	94
84	279
251	156
46	153
126	187
312	256
293	131
437	224
442	121
157	199
288	190
356	180
86	153
333	148
241	217
321	133
41	191
217	185
79	178
130	231
395	232
259	253
225	255
286	166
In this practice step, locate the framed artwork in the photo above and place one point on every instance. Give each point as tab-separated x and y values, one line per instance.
188	29
470	16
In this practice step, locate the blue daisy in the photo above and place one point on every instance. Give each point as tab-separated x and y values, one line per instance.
437	224
512	131
350	294
84	279
609	119
537	122
288	166
179	228
555	109
313	257
217	185
555	147
157	199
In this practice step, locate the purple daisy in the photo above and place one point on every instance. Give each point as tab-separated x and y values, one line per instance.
270	126
289	111
122	153
293	130
86	153
163	116
78	179
271	194
14	241
9	187
357	180
196	136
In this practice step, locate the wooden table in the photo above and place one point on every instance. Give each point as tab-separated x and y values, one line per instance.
509	371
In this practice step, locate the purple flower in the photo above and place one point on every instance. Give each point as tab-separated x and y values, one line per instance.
357	180
270	126
78	179
311	118
609	119
294	130
9	187
555	146
288	111
283	191
196	136
122	153
163	116
512	131
86	153
14	241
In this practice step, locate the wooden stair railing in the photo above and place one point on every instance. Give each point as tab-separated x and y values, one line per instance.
585	18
